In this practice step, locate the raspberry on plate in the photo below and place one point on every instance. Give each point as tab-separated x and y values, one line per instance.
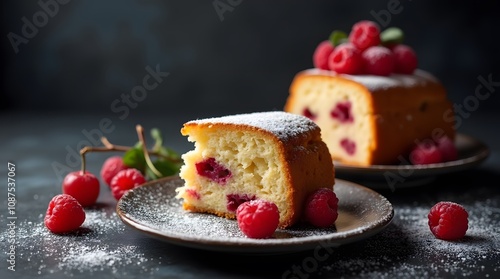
111	167
447	148
64	214
425	152
258	218
321	54
345	59
365	34
126	180
448	220
321	208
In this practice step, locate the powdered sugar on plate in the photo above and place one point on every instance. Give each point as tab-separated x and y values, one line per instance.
362	213
399	252
83	252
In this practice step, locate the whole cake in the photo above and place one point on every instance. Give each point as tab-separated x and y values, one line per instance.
371	102
275	156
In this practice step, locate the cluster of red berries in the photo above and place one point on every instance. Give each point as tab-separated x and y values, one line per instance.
431	151
366	51
260	218
81	189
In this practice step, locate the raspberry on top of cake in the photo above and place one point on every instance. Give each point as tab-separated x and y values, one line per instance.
372	103
275	156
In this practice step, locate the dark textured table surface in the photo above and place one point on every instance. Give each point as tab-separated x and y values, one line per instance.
42	147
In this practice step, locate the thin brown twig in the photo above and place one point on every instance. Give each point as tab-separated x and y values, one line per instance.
114	147
140	133
109	147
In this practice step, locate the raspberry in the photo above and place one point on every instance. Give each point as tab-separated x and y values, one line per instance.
348	145
405	59
125	180
342	112
111	167
321	208
365	34
378	60
83	187
447	148
235	200
64	214
193	194
321	54
448	220
214	171
307	113
345	59
258	218
425	152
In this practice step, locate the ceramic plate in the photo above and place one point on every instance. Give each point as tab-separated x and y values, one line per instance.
471	152
154	210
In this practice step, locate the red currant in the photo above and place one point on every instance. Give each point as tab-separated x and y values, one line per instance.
126	180
64	214
321	54
111	167
345	59
83	187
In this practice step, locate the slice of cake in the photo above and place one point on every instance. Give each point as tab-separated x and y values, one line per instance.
372	120
276	156
371	102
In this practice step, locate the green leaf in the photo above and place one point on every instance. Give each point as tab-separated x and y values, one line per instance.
138	144
391	35
169	153
337	37
134	158
166	168
156	135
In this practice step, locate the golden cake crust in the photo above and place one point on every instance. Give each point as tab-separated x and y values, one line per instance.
402	109
305	158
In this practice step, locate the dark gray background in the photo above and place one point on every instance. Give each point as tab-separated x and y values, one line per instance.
91	52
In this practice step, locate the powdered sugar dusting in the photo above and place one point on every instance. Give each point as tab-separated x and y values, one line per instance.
398	253
282	124
81	252
376	83
361	212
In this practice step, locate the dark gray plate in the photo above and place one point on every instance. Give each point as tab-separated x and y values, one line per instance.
154	210
471	153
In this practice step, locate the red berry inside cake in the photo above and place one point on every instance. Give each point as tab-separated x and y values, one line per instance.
275	156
